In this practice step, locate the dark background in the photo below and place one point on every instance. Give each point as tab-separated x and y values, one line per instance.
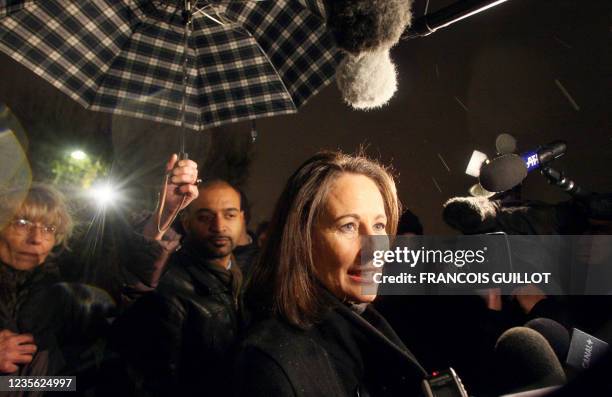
498	71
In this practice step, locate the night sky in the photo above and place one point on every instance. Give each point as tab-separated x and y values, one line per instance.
539	70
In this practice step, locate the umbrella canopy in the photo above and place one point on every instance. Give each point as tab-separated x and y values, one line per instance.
245	59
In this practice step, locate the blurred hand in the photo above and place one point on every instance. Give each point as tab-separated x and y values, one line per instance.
182	179
492	298
528	296
15	349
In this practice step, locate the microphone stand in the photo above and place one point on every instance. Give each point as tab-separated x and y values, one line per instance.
558	179
446	16
597	205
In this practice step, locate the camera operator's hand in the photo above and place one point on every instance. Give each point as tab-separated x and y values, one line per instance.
528	296
15	349
492	298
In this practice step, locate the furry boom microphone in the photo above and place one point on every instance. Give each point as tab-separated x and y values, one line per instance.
366	30
470	215
367	81
368	25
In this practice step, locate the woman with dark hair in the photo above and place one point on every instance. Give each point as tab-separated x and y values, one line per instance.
314	332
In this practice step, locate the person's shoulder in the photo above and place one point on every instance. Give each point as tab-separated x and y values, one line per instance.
176	279
279	339
294	357
271	329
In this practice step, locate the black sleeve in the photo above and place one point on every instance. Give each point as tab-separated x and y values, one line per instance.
148	337
552	308
259	375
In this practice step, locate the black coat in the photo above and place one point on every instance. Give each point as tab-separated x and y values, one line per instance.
345	354
246	255
178	340
65	319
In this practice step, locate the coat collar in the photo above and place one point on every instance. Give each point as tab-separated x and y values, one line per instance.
377	331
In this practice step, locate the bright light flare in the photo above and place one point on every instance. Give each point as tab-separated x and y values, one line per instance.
105	194
78	155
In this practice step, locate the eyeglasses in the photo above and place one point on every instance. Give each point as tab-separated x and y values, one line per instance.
25	226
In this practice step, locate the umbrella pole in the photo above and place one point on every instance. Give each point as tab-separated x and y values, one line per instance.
188	18
182	155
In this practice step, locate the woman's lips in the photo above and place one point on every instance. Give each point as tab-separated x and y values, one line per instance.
363	275
27	257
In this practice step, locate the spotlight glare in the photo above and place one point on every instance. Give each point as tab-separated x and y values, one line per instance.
78	155
104	194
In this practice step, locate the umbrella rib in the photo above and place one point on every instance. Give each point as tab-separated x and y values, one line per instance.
261	50
273	67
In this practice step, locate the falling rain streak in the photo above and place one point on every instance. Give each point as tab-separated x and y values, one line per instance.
436	183
443	162
563	43
567	95
461	104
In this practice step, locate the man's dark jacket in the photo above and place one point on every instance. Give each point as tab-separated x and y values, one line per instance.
179	339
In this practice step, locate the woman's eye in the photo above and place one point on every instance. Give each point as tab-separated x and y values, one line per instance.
348	227
380	227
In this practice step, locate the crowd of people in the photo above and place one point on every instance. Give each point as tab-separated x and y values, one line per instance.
205	307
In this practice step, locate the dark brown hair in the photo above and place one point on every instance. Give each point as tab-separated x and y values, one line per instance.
283	280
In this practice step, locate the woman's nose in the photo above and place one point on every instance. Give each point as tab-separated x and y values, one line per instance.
35	235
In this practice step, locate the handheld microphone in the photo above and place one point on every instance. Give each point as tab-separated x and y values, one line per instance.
506	171
525	361
555	333
585	350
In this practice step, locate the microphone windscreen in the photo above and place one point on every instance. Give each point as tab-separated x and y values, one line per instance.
476	162
525	360
503	173
505	144
557	336
470	215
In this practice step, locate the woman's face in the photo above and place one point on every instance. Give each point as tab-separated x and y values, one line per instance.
354	208
24	246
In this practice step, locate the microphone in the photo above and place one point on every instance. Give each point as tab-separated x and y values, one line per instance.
585	350
505	144
525	361
506	171
470	215
555	333
479	215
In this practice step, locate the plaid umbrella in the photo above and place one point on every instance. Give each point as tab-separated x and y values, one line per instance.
245	59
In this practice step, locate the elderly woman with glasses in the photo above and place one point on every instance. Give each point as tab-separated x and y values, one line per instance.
33	226
49	319
41	223
46	324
